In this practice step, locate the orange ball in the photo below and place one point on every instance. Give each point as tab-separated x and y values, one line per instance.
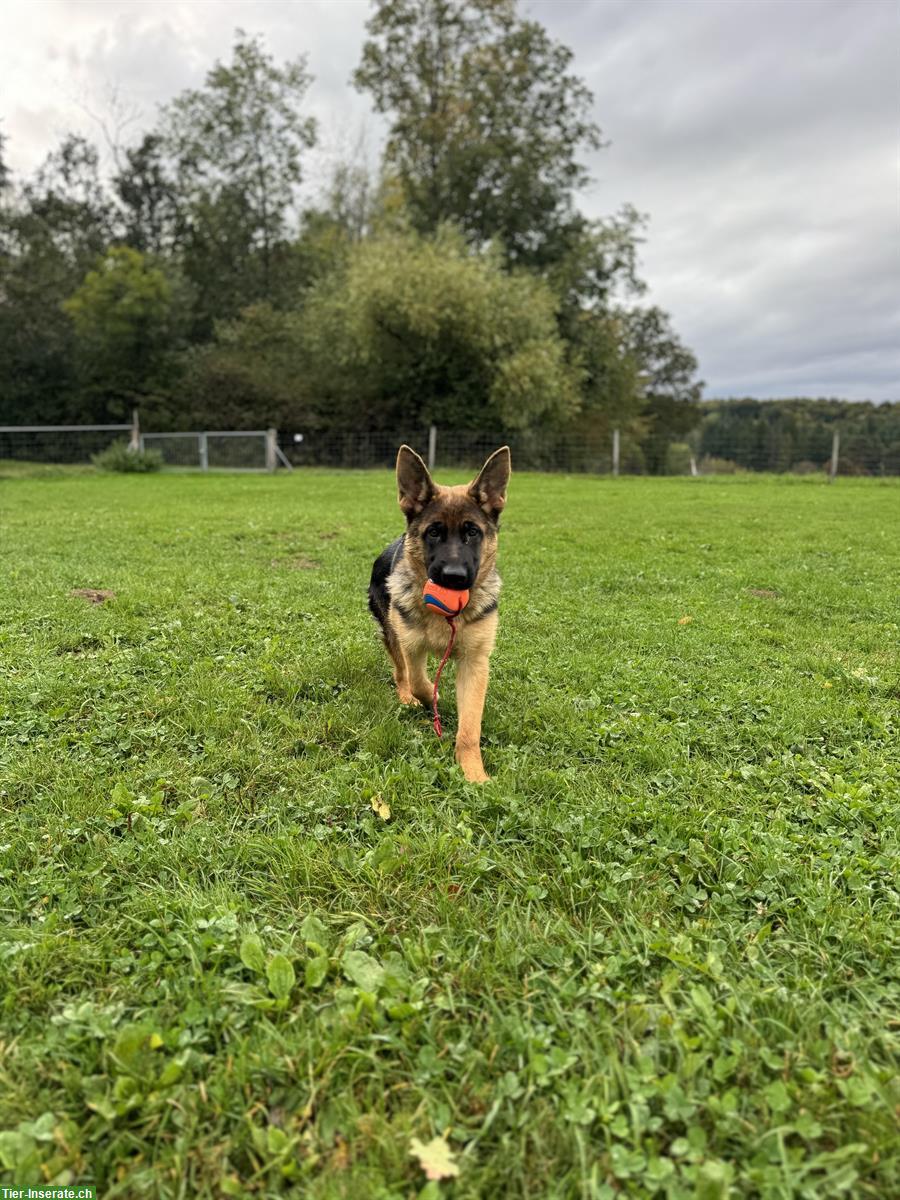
446	601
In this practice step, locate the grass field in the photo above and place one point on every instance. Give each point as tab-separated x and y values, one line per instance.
658	955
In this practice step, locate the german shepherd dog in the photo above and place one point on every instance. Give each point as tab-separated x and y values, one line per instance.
450	539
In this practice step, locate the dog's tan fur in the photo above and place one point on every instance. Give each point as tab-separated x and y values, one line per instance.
411	630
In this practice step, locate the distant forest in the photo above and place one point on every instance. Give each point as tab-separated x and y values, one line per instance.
796	435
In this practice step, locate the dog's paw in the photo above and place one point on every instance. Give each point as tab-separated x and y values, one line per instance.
405	696
475	773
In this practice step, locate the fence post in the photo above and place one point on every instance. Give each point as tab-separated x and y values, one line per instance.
615	464
835	450
134	443
271	449
204	451
432	446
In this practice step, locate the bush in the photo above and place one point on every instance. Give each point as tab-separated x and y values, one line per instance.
118	457
710	465
805	467
678	460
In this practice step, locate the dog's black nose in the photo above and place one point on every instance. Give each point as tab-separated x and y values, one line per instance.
453	576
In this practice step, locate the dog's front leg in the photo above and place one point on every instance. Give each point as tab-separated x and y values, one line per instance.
419	683
471	688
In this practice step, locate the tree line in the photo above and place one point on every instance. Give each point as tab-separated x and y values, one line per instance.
456	283
796	435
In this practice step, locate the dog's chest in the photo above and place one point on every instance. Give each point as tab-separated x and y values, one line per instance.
432	631
436	633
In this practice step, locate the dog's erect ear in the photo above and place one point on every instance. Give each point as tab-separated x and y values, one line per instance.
414	485
489	489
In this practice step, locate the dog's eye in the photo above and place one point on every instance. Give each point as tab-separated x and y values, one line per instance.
470	531
433	532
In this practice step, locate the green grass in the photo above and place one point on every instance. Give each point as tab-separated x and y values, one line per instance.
658	955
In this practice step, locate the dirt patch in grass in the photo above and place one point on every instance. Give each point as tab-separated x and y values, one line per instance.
83	646
299	563
93	595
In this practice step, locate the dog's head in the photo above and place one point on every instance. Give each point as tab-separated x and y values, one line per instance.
452	531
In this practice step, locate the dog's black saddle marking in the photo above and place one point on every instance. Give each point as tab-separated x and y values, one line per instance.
379	596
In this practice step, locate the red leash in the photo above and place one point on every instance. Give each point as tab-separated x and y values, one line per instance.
434	700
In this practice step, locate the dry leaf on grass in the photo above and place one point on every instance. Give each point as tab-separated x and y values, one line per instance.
685	620
435	1158
379	806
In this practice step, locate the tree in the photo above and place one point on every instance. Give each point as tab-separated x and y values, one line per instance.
253	374
416	330
597	263
123	318
151	217
350	199
237	146
51	231
67	203
671	392
486	120
612	389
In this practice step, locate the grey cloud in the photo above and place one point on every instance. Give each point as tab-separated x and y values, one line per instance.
761	139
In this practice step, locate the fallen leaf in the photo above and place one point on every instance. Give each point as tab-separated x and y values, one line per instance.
340	1157
685	620
435	1159
379	806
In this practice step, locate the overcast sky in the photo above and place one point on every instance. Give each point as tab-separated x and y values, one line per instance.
760	136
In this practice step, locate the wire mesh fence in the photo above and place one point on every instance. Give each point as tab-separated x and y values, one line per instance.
827	451
222	450
617	453
64	444
227	450
710	449
463	449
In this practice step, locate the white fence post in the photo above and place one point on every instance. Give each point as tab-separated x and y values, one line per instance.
271	449
134	443
615	463
835	451
432	446
203	447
